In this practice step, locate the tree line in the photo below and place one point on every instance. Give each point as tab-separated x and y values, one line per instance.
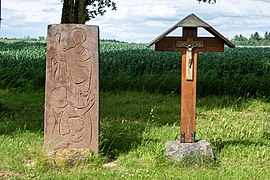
254	40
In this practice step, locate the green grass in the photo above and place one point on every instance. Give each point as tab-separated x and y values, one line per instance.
136	124
134	129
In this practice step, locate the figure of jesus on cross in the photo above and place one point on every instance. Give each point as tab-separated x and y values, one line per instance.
189	52
189	44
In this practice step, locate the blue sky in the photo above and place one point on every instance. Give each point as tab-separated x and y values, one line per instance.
140	20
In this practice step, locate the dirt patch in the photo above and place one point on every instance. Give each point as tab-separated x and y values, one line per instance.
9	174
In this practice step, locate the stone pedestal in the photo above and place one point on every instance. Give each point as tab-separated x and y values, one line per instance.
193	153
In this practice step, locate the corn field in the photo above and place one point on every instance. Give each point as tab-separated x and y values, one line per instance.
243	71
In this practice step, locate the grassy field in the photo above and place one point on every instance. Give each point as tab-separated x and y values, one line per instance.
140	113
134	129
243	71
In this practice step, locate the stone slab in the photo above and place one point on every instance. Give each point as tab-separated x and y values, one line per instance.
193	152
72	87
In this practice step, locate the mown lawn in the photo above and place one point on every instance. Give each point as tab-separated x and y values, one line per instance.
134	129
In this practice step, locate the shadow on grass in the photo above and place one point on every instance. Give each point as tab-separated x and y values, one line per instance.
124	116
12	121
21	111
119	138
219	144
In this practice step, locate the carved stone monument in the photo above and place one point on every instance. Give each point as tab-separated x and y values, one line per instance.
72	87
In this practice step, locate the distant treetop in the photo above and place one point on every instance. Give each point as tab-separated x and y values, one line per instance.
80	11
209	1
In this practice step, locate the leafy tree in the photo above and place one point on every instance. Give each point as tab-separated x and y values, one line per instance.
267	36
209	1
254	40
77	11
80	11
256	36
240	38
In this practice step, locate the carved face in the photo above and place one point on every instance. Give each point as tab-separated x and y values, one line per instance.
78	35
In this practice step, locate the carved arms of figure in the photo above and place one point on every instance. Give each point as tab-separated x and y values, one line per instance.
189	52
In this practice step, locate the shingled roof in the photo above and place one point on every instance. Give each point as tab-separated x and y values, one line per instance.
192	21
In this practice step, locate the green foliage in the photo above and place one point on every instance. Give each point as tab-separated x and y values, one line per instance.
243	71
208	1
80	11
98	7
256	36
254	40
22	65
134	129
267	36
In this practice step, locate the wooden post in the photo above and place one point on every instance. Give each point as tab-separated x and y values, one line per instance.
188	101
188	84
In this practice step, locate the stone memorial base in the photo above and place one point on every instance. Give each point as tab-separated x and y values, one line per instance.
193	153
68	156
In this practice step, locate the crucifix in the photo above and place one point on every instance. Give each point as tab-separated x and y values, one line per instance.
189	44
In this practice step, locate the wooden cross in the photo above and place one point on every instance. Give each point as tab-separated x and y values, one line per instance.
189	44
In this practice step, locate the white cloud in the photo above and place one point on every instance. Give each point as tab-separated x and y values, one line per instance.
140	20
32	10
155	24
155	11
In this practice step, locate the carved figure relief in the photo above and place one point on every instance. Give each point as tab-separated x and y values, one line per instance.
189	44
71	109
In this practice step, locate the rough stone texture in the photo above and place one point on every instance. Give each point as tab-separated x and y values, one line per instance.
68	157
194	152
72	87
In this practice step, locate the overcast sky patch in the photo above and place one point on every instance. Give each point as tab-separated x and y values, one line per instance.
140	20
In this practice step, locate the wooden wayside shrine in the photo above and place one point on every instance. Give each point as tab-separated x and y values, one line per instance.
189	44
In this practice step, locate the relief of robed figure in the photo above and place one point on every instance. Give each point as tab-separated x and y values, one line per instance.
72	94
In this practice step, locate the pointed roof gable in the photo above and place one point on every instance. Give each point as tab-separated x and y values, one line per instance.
192	21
